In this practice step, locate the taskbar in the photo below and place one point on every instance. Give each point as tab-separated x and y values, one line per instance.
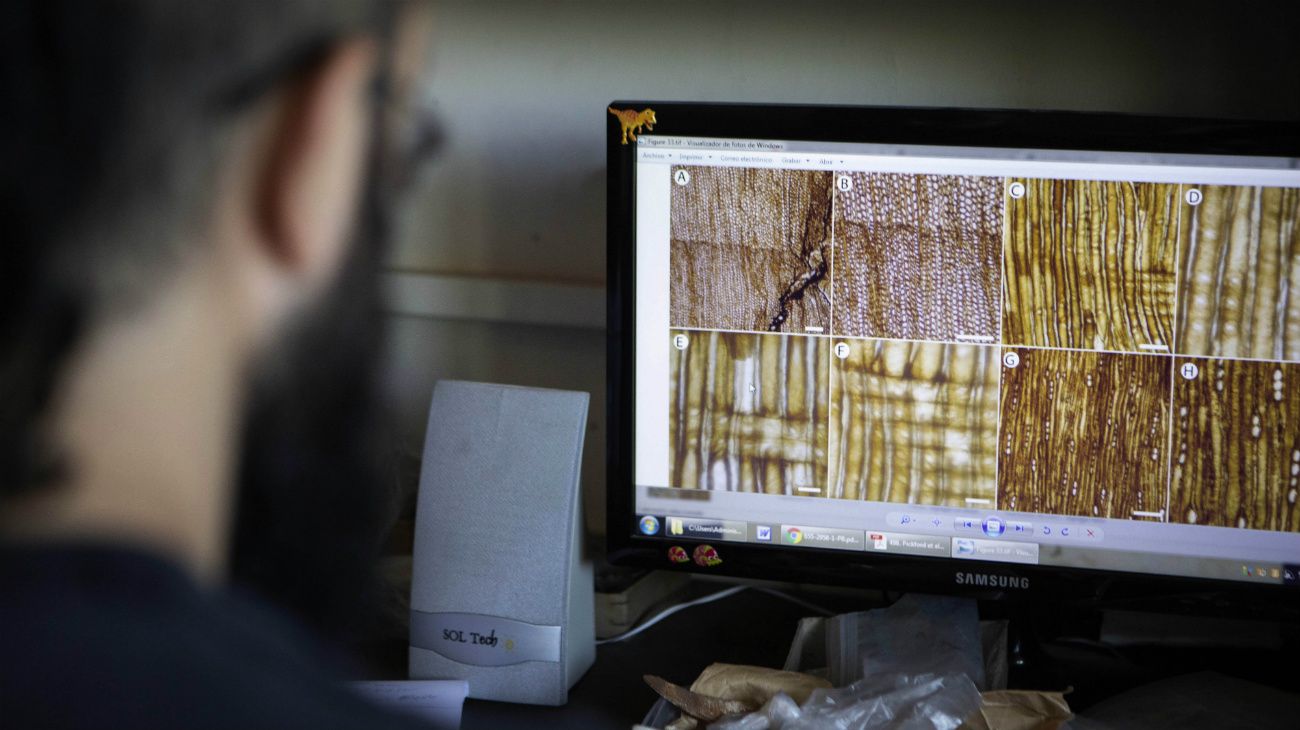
992	548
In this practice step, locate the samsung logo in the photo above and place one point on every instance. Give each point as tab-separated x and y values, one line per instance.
992	580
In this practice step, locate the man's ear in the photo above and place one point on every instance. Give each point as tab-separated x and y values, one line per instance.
308	185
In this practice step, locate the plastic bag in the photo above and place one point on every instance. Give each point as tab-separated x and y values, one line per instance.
882	702
916	635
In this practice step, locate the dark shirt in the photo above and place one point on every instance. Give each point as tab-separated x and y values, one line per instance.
94	637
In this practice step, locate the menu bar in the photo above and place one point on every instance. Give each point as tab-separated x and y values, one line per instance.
982	162
647	143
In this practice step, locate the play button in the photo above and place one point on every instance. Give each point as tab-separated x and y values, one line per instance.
994	527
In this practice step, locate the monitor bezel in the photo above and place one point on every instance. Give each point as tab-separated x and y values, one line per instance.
997	128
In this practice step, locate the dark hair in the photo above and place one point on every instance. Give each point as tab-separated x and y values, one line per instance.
113	116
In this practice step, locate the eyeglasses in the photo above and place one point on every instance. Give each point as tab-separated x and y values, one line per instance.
409	134
411	137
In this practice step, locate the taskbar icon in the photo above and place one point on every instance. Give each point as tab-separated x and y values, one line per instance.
649	525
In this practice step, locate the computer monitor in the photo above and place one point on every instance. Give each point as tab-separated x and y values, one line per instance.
954	350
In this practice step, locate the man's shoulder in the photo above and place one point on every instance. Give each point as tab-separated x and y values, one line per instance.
104	638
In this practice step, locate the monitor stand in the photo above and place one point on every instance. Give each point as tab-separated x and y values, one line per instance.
1099	647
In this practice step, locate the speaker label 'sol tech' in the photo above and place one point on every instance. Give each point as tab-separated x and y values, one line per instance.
487	641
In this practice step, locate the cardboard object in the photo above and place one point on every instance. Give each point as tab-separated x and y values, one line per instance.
1019	710
755	685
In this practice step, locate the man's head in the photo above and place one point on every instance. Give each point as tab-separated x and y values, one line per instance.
183	188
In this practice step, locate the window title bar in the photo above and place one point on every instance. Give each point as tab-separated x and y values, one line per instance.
709	143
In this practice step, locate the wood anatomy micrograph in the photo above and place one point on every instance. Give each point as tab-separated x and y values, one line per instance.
748	413
1240	273
1085	433
1237	445
914	422
1090	265
918	256
751	249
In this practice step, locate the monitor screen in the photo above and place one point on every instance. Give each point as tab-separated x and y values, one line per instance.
1071	358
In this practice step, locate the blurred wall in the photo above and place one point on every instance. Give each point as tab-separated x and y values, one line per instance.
518	194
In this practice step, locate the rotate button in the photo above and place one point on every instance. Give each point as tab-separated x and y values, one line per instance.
994	527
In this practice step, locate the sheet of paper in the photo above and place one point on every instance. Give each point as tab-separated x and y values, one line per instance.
438	701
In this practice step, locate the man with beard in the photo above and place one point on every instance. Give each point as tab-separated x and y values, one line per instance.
191	201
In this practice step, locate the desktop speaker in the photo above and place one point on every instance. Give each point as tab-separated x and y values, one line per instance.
501	594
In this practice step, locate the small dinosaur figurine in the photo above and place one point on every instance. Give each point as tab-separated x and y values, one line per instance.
632	121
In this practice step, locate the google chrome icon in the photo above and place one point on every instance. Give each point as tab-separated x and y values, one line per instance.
793	535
